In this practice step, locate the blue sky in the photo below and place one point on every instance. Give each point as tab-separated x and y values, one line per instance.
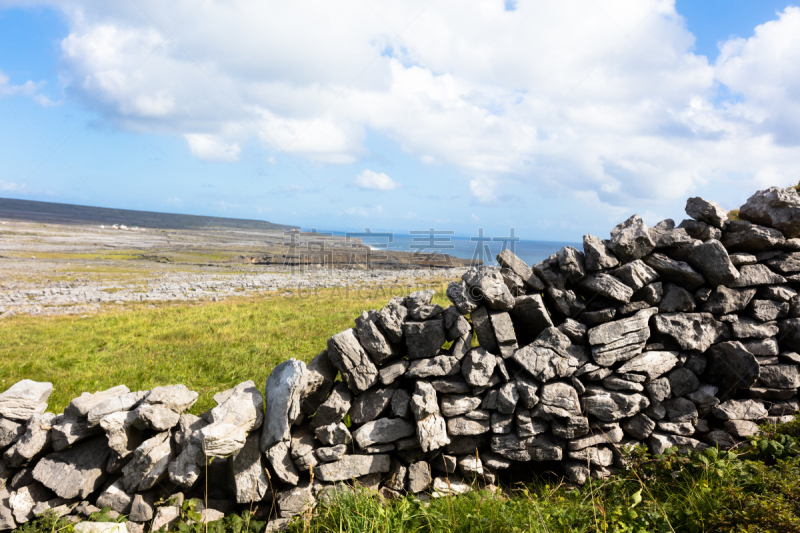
557	120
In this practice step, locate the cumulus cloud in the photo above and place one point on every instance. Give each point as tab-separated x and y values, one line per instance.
605	103
376	181
29	89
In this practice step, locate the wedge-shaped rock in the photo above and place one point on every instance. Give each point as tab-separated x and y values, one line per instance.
442	365
622	349
548	357
638	426
707	211
785	264
507	259
116	497
613	331
652	364
373	339
74	473
10	431
34	441
611	435
320	377
768	310
724	300
597	256
712	260
775	207
666	235
334	408
742	236
676	299
779	377
283	396
149	464
557	400
383	430
280	457
492	288
123	402
571	263
677	272
233	420
24	399
68	430
22	501
431	428
661	442
747	328
692	331
353	466
350	358
478	367
608	286
391	318
504	333
177	398
247	469
186	468
462	298
369	405
614	406
630	240
80	406
752	275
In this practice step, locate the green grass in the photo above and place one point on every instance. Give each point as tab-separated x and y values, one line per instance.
209	346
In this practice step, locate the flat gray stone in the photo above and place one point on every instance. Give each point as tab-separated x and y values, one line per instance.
675	271
458	404
280	457
635	274
439	366
692	331
74	473
725	301
608	286
639	426
676	299
334	434
743	236
504	333
538	448
392	316
369	405
463	426
570	428
753	275
350	358
768	310
492	288
186	469
34	441
660	443
614	406
382	431
779	377
232	420
352	466
115	404
461	297
10	431
478	367
557	399
116	497
700	230
80	406
419	477
24	399
652	364
740	410
747	328
331	453
149	464
565	302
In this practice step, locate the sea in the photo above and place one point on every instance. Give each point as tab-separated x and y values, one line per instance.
485	247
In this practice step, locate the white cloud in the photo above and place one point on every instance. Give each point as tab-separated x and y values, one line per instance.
211	147
29	89
603	102
377	181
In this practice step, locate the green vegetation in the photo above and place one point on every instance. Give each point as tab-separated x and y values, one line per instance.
733	214
208	346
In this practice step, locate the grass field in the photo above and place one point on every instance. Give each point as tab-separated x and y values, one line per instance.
208	346
212	346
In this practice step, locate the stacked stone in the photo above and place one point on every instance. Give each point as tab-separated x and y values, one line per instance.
672	336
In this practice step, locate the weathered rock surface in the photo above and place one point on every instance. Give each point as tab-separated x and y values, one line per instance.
74	473
24	399
350	358
233	420
775	207
630	240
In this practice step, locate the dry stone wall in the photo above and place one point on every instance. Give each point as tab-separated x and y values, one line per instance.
672	336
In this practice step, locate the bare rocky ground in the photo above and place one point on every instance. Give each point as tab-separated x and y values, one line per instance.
50	269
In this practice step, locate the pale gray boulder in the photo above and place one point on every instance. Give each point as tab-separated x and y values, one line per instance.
115	404
462	298
349	357
557	399
186	468
507	259
334	408
692	331
10	431
116	497
24	399
538	448
283	396
712	261
504	333
571	262
779	377
373	339
707	211
352	466
431	428
33	442
80	406
743	236
630	240
724	300
22	501
247	469
459	426
675	271
775	207
753	275
768	310
232	420
747	328
652	364
122	435
597	256
280	457
478	367
382	431
635	274
458	404
613	406
334	434
149	464
76	472
392	316
489	283
608	286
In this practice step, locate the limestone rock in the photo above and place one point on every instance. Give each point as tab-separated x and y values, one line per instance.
597	255
458	404
660	443
372	338
571	263
115	404
614	406
492	288
725	301
34	441
478	367
676	299
116	497
233	420
742	236
248	472
635	274
283	394
652	364
507	259
76	472
675	271
149	464
280	457
431	428
10	431
779	377
350	358
707	211
383	430
630	240
608	286
692	331
334	408
639	426
461	297
24	399
80	406
352	466
775	207
392	317
504	333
